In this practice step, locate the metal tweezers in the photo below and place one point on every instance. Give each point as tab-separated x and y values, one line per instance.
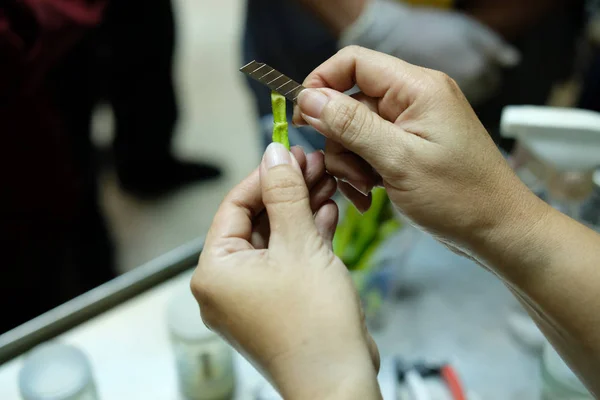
273	79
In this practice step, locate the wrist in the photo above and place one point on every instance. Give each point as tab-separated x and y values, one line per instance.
326	375
513	233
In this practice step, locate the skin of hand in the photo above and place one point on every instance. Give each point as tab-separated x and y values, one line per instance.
270	284
412	131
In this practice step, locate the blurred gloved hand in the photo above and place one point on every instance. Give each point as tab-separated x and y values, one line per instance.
448	41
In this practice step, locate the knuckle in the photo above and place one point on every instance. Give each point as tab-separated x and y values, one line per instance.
206	293
447	80
446	83
351	50
283	190
203	282
349	122
201	287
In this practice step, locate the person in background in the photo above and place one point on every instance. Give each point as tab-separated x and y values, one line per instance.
59	61
128	63
269	282
590	96
53	238
499	51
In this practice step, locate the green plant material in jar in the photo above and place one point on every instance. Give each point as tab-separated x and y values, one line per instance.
346	232
368	227
280	124
387	230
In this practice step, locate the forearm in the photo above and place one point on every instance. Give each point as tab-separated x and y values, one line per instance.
336	14
552	264
323	376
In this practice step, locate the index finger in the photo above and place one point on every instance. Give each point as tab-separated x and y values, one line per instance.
352	65
376	74
232	225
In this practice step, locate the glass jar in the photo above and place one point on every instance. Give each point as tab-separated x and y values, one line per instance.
377	285
590	212
204	361
558	381
56	371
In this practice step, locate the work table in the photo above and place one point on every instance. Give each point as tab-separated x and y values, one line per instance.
445	309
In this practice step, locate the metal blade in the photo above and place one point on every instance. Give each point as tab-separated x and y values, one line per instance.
273	79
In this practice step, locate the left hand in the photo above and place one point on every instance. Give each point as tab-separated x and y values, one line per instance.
269	282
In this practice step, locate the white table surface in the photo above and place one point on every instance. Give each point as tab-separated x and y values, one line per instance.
447	309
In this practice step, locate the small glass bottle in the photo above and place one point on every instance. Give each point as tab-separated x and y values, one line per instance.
204	361
56	371
558	381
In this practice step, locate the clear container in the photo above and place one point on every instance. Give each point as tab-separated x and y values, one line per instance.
558	381
204	361
590	212
56	371
568	190
377	285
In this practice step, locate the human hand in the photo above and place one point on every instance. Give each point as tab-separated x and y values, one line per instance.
448	41
412	131
269	282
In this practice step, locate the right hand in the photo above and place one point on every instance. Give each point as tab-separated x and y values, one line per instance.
448	41
412	130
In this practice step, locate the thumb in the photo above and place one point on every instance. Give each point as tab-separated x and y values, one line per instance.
353	124
285	196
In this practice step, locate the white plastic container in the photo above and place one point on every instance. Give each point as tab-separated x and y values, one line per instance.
204	361
56	371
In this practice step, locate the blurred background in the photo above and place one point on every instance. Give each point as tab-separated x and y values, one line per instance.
126	122
216	124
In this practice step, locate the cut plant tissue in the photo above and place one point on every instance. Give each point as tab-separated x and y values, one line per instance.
280	124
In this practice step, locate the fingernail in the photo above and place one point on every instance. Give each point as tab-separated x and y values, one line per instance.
276	154
300	147
296	117
312	102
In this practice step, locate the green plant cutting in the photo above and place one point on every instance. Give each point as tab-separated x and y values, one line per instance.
358	237
280	124
357	241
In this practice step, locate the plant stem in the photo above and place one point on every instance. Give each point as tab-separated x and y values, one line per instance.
280	124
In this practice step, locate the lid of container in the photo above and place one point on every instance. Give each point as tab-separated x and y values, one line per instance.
183	316
567	139
54	371
560	371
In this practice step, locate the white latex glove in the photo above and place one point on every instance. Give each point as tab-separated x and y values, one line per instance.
448	41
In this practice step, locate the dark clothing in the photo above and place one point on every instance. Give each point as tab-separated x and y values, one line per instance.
136	45
50	219
590	98
62	59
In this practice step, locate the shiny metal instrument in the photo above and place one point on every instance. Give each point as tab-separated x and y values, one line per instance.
273	79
